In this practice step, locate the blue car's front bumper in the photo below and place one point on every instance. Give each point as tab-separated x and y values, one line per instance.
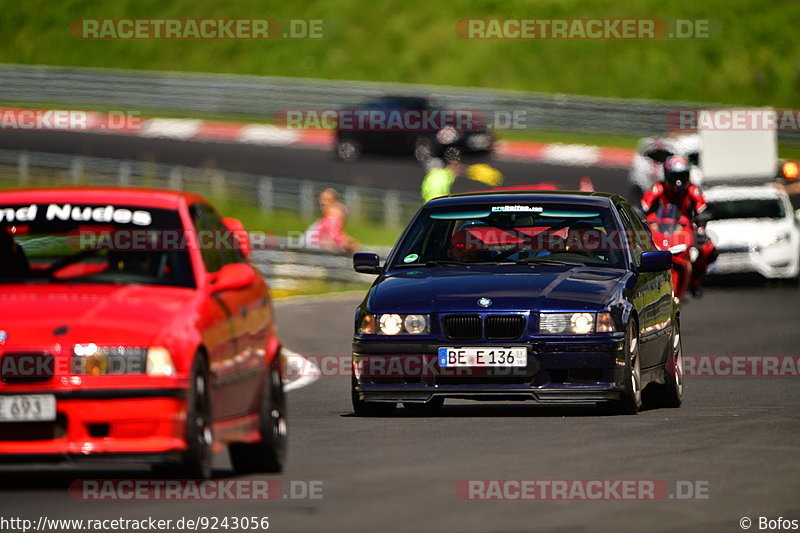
559	370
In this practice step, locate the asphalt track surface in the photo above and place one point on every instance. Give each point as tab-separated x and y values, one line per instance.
739	437
402	173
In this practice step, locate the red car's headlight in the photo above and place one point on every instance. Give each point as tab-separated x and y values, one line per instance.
93	360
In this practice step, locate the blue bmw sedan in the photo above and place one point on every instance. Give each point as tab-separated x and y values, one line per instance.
551	297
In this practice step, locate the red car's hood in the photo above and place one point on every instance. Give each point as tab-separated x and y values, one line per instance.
132	315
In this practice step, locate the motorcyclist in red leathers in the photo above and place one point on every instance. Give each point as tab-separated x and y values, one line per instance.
676	189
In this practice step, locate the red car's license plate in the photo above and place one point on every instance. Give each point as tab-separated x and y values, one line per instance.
28	408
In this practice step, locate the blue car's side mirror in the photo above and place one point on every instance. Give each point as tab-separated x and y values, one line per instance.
366	263
655	261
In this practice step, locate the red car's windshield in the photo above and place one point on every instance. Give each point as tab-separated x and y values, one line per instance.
62	242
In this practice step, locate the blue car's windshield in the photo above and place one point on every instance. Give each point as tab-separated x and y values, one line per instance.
505	233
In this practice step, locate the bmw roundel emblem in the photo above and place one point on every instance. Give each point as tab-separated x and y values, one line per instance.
484	302
3	337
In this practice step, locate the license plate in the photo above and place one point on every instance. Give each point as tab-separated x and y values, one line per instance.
28	408
501	357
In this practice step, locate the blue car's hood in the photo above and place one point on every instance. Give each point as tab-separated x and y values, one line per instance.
512	288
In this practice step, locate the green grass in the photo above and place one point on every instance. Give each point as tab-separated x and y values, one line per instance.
284	222
316	287
752	59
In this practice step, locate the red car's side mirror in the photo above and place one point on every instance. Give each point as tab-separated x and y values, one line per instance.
237	228
233	276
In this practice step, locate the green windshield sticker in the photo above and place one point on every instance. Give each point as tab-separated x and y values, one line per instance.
410	258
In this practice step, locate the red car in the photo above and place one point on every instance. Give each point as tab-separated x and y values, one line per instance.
133	327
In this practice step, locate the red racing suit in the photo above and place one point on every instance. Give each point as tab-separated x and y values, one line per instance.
691	203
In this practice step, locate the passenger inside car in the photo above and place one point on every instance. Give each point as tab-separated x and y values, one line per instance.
13	262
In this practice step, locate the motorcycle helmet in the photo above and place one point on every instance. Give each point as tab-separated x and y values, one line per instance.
676	173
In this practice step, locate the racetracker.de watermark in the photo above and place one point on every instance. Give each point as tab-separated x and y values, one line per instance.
198	29
425	120
195	490
580	490
431	366
734	119
586	29
382	119
68	120
761	366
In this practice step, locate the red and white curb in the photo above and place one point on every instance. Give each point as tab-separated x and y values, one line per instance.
269	135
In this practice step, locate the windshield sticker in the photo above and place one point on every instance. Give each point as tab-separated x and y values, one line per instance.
410	258
516	209
68	212
459	215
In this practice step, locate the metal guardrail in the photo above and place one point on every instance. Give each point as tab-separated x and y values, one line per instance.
288	267
250	96
285	262
268	193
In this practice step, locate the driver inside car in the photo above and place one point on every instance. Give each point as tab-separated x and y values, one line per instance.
13	262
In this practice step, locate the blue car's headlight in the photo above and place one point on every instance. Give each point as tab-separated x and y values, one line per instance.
395	324
575	323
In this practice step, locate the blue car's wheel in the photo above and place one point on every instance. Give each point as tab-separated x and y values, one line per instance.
670	393
631	401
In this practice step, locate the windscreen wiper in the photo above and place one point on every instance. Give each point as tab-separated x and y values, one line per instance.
544	260
445	262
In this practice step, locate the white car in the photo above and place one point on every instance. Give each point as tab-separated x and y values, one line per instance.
648	163
755	229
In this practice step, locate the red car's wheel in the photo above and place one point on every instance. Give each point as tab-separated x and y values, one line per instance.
269	455
199	437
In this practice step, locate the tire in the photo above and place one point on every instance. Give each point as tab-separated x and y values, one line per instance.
670	393
197	458
631	401
429	407
269	455
452	154
347	150
372	409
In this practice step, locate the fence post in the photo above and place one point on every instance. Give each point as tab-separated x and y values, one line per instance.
124	176
265	195
306	199
218	184
391	208
175	179
352	200
76	170
23	167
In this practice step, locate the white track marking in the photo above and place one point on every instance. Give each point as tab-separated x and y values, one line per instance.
170	128
571	154
309	373
267	135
